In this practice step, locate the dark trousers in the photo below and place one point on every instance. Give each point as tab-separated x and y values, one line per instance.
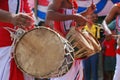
90	66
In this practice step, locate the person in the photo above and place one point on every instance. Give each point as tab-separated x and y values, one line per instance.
11	16
102	36
63	13
90	64
109	57
109	22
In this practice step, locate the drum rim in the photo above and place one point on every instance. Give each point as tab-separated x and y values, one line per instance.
84	38
14	53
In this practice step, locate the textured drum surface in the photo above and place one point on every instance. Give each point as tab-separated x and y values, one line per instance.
80	43
93	40
39	52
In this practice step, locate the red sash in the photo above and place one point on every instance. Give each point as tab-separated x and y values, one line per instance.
15	73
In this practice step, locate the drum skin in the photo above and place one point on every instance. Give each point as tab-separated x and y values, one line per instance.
83	48
39	52
93	41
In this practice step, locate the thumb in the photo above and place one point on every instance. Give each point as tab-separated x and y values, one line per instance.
30	14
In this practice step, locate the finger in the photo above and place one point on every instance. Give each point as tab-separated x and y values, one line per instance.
27	17
25	21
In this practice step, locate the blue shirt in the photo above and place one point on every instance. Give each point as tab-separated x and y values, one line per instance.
112	26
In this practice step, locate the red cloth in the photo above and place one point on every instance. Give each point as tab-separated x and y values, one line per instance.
15	73
5	39
118	51
59	26
74	3
109	47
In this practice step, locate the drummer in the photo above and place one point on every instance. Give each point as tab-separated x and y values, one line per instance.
62	12
10	16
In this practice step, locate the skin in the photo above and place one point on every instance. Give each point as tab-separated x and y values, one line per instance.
95	18
115	10
35	7
21	19
55	5
90	18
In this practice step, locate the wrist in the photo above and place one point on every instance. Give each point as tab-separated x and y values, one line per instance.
12	18
75	17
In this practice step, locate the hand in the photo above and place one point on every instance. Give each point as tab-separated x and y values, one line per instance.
81	20
22	20
91	9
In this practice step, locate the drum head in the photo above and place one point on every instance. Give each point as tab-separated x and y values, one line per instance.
80	43
95	42
39	52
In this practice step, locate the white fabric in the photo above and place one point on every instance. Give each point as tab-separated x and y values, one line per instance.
68	22
12	6
105	27
70	75
28	77
5	63
117	70
5	58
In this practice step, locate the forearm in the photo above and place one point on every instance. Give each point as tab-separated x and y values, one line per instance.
84	13
5	16
51	15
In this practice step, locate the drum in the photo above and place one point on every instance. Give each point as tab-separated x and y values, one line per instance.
93	41
83	48
43	53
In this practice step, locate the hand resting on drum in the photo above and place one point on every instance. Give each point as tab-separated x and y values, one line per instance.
21	19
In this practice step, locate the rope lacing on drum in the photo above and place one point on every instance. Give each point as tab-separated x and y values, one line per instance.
68	57
15	35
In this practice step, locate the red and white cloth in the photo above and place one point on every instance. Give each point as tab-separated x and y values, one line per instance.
75	73
62	27
8	68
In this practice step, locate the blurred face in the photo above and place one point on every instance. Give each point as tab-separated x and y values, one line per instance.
89	17
95	17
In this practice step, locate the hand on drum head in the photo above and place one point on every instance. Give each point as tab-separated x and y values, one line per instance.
22	20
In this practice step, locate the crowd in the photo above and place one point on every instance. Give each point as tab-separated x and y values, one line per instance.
61	16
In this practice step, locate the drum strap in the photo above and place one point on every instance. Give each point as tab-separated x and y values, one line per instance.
15	34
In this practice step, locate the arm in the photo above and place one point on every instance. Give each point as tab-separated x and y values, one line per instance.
20	19
52	13
112	14
35	7
90	10
115	10
5	16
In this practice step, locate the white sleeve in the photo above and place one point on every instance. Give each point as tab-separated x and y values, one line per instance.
105	27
